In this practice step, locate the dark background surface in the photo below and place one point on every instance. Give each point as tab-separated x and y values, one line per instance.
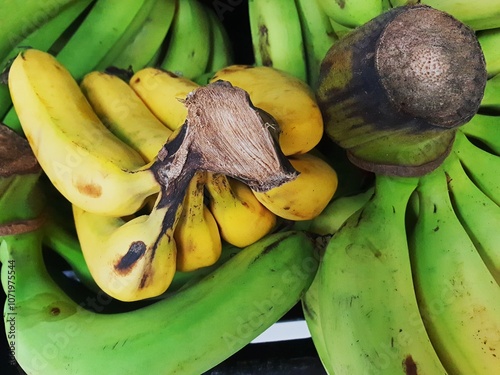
292	357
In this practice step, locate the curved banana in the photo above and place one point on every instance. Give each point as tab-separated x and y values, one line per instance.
188	50
277	36
287	99
480	165
135	259
489	41
106	22
485	128
163	92
305	197
458	297
479	215
243	297
352	13
318	35
221	48
479	16
196	234
370	318
133	28
241	218
124	113
90	166
142	48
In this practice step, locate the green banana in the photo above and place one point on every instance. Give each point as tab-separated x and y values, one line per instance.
479	215
489	41
318	35
129	34
331	219
491	97
20	21
479	16
106	22
188	49
486	129
198	327
369	313
44	37
221	50
5	100
480	165
277	36
141	49
352	13
458	297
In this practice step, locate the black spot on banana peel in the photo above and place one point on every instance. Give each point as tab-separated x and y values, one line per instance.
394	91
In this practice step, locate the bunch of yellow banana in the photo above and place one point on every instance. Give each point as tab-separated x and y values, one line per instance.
102	144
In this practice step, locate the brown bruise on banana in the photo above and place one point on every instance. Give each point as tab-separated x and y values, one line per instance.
223	134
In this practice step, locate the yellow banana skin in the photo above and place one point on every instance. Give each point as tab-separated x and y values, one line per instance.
196	234
90	166
163	92
286	98
241	218
130	260
124	113
305	197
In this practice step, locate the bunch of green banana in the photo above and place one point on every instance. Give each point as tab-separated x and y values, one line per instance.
200	325
409	281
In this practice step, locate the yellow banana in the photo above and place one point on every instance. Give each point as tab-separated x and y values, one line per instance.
286	98
241	218
90	166
305	197
163	92
196	234
130	260
124	113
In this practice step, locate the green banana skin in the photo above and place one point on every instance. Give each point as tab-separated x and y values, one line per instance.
103	27
480	165
275	44
353	13
331	219
187	51
369	314
458	297
489	41
485	128
142	48
131	31
479	215
23	20
187	333
491	97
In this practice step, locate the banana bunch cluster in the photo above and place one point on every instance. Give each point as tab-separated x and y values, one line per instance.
100	143
185	37
410	280
60	331
294	36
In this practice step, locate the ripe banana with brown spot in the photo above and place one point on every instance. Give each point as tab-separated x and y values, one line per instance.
305	197
87	163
